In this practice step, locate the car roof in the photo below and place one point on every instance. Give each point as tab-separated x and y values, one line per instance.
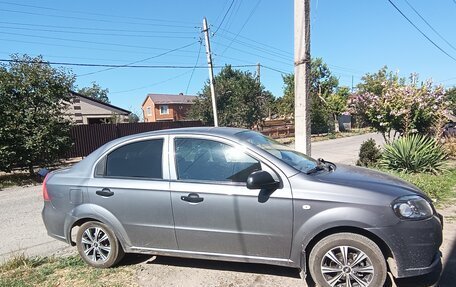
220	131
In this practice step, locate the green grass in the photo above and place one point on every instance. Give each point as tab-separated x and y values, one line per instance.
23	271
440	187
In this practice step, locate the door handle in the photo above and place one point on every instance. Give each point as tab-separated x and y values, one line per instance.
105	192
192	197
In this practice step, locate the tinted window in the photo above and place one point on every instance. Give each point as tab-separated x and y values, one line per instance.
140	159
198	159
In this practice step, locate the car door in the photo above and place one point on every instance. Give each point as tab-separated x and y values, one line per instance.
214	212
131	183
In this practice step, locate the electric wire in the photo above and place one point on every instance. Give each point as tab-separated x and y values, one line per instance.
139	61
245	23
98	29
97	20
429	25
98	34
85	41
196	64
421	32
122	66
91	13
151	85
223	19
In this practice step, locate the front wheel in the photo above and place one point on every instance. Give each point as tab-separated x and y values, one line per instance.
97	245
347	260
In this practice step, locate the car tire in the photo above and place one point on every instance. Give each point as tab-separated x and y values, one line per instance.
98	246
347	256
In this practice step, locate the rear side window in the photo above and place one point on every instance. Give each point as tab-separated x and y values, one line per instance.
207	160
139	160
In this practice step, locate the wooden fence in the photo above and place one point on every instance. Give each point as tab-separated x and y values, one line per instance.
87	138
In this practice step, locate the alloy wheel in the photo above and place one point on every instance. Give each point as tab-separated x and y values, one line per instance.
346	266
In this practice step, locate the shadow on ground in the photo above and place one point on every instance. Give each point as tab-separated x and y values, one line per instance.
447	278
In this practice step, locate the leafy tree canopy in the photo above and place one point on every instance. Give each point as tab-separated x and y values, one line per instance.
451	96
33	127
96	92
322	83
375	83
241	100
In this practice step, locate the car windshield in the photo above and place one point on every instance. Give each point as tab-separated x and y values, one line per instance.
288	155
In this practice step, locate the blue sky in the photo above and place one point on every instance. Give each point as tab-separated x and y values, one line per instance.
353	37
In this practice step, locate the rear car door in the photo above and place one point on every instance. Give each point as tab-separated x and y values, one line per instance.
214	212
131	183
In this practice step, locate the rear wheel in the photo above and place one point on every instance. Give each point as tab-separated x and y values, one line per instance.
347	260
98	245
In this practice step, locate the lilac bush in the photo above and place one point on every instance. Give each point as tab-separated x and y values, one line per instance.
402	109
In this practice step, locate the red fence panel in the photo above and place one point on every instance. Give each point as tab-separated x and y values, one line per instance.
87	138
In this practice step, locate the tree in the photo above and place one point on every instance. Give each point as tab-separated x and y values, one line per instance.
96	92
241	100
451	96
133	118
337	104
33	127
403	109
322	84
375	83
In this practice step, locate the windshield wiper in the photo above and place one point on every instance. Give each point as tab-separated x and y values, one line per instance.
322	165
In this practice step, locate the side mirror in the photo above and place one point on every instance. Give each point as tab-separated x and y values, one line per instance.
262	180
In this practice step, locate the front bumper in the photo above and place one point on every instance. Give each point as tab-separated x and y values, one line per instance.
414	246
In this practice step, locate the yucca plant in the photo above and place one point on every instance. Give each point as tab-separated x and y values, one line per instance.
414	153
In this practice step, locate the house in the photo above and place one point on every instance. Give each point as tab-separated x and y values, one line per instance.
86	110
165	107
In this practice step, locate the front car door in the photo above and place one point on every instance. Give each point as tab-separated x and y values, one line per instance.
132	182
215	213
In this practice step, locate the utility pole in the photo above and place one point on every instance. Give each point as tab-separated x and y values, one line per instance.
211	71
258	72
302	74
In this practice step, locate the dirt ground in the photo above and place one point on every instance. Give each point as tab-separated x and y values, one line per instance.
175	272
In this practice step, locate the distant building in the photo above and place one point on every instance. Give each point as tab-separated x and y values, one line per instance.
86	110
163	107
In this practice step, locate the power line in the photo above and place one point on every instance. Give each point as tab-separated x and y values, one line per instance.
274	69
263	44
194	68
224	16
98	29
139	61
429	25
253	54
422	33
245	23
97	20
233	40
85	41
98	34
95	14
151	85
122	66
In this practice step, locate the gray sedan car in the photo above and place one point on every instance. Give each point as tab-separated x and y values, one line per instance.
236	195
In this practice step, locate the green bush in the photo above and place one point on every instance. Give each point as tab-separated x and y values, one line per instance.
414	153
369	153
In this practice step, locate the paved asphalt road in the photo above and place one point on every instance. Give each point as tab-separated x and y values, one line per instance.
22	231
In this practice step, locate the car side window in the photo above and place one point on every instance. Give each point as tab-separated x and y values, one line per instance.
139	160
200	159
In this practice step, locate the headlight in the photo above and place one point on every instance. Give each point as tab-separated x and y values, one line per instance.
412	207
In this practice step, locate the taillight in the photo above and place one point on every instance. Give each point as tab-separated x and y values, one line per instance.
46	196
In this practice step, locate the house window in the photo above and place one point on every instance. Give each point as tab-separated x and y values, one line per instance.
164	110
149	111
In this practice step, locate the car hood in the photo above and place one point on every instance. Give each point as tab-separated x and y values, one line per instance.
367	179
